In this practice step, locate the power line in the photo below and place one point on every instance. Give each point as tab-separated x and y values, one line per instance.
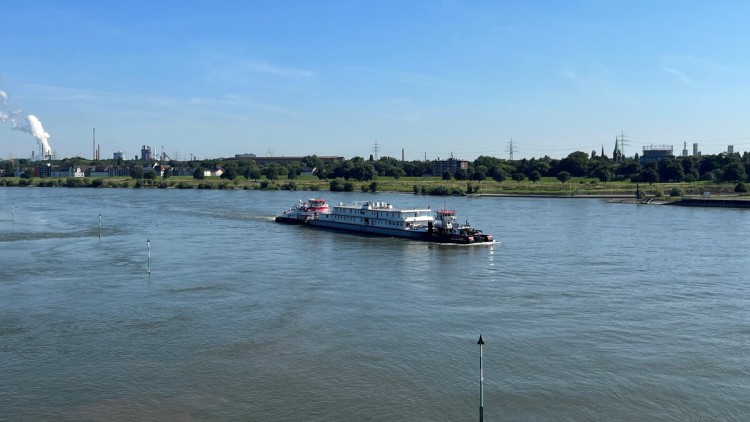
621	141
511	149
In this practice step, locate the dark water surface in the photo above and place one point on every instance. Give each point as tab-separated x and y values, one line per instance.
590	311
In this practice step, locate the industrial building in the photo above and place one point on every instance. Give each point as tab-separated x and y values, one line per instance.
261	161
450	165
656	153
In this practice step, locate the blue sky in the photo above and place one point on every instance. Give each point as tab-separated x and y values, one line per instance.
434	78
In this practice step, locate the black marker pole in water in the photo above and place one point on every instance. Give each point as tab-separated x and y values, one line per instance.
148	245
481	380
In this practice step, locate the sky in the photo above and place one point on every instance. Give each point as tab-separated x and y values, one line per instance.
433	79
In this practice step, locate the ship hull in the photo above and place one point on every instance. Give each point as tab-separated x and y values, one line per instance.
377	231
422	235
289	220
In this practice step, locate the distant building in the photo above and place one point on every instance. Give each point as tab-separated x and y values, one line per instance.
730	149
262	161
57	171
656	153
146	154
216	173
119	155
450	165
97	171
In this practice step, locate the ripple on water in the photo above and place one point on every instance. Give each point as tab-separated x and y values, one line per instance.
589	311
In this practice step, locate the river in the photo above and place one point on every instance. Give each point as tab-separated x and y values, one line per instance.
589	311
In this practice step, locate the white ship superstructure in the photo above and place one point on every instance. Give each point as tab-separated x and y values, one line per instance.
376	218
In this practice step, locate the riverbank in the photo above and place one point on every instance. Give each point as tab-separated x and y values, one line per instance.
620	191
558	196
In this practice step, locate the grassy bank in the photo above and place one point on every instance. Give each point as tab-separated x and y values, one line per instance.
420	185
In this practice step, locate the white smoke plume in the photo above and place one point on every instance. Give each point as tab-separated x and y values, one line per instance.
4	116
30	124
34	127
4	103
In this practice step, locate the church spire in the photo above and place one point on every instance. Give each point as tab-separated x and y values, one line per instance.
617	154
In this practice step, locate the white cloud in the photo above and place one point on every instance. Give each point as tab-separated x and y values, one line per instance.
243	71
679	75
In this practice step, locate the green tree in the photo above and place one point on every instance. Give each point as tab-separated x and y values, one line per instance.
273	171
230	172
336	185
252	172
137	172
479	175
734	172
670	170
486	161
461	174
689	169
542	167
28	173
709	163
575	163
499	173
603	173
519	177
292	171
628	168
312	162
649	175
563	176
535	176
362	171
199	174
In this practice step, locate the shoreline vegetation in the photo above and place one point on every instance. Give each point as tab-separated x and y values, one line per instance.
546	187
695	179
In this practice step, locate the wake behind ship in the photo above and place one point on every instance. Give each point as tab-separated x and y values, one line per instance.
381	218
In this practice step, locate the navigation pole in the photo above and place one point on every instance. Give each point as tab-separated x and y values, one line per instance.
481	380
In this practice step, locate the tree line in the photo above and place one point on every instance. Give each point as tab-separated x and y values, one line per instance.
714	168
722	167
